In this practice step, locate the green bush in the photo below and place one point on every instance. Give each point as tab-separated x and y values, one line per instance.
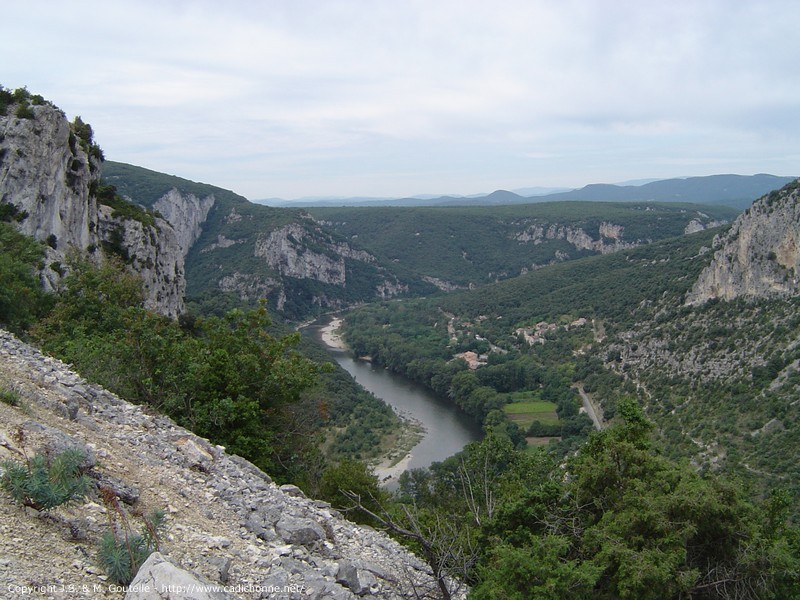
44	483
9	396
24	111
121	551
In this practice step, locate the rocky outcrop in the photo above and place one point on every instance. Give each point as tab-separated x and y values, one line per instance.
229	528
49	170
154	253
610	237
46	175
445	286
696	225
252	288
301	250
158	578
186	213
759	257
287	251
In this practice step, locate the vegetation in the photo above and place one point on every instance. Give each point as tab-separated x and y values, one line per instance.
10	396
121	551
147	186
483	244
562	307
22	300
108	196
44	482
227	378
23	100
629	523
83	133
616	520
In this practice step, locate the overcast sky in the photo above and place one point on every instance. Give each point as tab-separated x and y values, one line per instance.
298	98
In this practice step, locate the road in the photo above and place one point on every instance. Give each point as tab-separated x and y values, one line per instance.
589	407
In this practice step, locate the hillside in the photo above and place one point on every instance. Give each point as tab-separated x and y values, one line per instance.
306	262
246	252
467	246
716	369
228	524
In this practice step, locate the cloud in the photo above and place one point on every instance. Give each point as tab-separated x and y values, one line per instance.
286	98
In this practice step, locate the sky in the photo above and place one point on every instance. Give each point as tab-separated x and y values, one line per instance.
393	98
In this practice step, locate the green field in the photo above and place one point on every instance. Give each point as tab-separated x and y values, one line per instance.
526	412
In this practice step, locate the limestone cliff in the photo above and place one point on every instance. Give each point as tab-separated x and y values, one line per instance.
153	252
759	257
186	213
610	237
229	528
45	174
298	260
49	175
286	250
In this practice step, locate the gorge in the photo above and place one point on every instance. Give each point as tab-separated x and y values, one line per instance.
446	429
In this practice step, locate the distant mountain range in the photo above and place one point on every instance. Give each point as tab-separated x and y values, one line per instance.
737	191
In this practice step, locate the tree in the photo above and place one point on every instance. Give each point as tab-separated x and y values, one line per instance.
628	523
348	479
21	297
227	379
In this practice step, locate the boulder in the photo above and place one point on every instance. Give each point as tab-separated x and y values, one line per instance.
160	579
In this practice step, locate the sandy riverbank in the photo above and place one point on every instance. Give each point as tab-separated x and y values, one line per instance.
388	473
331	336
397	460
389	469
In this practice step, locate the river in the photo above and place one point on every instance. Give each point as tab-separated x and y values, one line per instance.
447	429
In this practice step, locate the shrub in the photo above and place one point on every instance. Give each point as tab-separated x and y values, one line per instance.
9	396
6	99
122	551
122	557
24	111
43	483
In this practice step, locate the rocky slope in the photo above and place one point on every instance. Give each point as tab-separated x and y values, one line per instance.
49	173
759	257
228	524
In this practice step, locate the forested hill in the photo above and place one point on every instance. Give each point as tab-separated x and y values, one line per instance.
466	246
697	397
328	258
718	374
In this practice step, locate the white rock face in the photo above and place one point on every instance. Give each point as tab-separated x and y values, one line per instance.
186	213
49	177
578	237
251	287
155	254
284	250
759	257
159	578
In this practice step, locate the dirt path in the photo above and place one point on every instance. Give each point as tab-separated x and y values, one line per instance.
588	405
